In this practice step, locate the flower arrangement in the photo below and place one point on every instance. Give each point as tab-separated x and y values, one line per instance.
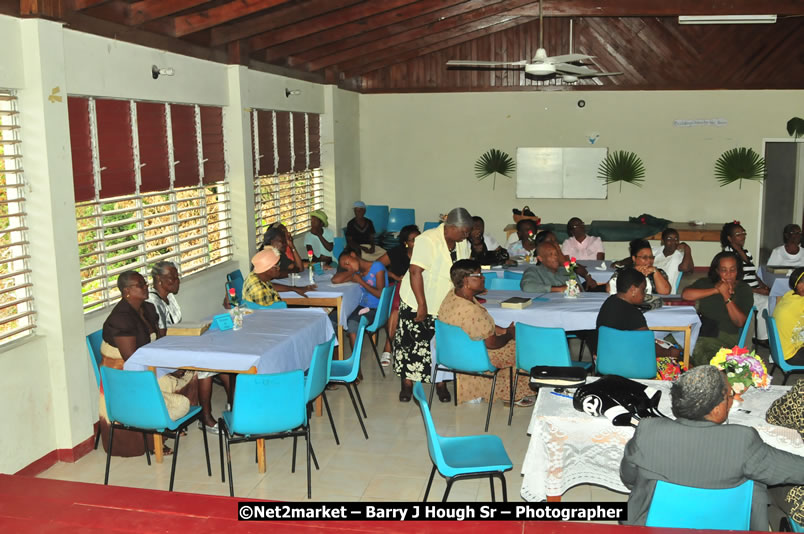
233	297
572	290
743	369
570	266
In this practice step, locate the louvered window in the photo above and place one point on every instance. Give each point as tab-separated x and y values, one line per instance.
17	312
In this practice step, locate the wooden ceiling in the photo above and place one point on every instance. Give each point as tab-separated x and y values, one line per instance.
403	45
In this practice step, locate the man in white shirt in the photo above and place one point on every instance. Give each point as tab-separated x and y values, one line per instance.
790	254
673	257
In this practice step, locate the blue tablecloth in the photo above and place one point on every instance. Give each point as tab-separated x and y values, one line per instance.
600	270
350	292
273	341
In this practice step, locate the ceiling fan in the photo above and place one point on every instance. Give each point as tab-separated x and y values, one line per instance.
542	64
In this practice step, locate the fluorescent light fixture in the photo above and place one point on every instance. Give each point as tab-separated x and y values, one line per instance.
727	19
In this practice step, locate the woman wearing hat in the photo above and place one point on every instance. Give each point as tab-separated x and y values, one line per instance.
320	238
257	287
289	260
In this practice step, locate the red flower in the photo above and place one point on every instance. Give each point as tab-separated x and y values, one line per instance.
566	264
572	260
232	291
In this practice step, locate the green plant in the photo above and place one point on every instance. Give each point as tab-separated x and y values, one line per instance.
494	162
795	127
622	167
739	164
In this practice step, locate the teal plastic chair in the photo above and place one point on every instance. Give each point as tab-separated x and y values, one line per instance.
345	372
378	215
94	341
505	284
398	218
744	332
462	457
338	245
430	224
776	354
787	524
489	276
537	345
456	352
698	506
235	279
381	320
678	283
512	275
134	402
278	305
628	353
265	407
316	379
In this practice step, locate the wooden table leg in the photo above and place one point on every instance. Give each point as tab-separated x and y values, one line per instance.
158	444
318	406
687	343
261	455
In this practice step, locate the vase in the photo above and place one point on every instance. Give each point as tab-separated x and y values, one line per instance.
572	291
237	317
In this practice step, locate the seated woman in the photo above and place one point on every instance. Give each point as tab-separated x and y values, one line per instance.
673	257
397	263
789	315
620	311
360	233
724	301
319	239
372	279
549	237
732	239
790	253
133	323
459	308
166	284
642	261
484	248
257	287
277	236
525	244
581	246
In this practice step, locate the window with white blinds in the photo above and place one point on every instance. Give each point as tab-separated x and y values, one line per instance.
170	160
17	312
288	181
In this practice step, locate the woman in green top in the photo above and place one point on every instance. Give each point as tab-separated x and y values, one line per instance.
724	301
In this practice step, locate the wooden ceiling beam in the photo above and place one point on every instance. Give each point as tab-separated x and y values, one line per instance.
145	10
453	37
323	29
78	5
665	8
283	17
44	8
215	16
330	54
440	29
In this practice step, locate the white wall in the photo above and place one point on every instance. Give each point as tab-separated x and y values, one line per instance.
419	151
11	67
341	123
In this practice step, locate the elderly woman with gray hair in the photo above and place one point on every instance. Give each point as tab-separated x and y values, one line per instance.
162	293
423	289
697	450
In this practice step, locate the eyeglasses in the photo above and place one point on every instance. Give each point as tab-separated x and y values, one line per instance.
475	275
579	225
740	234
671	238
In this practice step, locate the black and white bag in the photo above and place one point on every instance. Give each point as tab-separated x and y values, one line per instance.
621	400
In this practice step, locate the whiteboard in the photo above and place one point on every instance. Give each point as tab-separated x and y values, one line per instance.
555	172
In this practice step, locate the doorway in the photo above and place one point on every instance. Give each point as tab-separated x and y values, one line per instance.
782	202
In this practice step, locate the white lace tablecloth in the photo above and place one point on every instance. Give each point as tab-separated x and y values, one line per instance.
581	313
350	292
568	447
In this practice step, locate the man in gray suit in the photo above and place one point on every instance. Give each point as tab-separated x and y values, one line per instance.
697	450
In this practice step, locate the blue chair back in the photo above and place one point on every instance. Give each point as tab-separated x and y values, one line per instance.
433	441
383	308
744	332
351	366
698	506
317	268
94	341
378	215
454	349
133	398
235	279
338	244
489	276
430	224
264	404
794	526
398	218
278	305
505	284
319	371
678	282
537	345
628	353
776	354
512	275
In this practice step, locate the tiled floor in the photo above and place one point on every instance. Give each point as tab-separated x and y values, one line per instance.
392	465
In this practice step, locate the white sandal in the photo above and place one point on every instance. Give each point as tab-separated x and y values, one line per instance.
385	359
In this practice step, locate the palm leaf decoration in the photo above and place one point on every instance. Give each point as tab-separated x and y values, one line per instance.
795	127
622	167
739	164
494	162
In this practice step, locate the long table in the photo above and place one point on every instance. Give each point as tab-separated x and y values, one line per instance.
568	447
581	314
271	341
600	270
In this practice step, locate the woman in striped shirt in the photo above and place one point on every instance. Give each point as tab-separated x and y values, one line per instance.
732	239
